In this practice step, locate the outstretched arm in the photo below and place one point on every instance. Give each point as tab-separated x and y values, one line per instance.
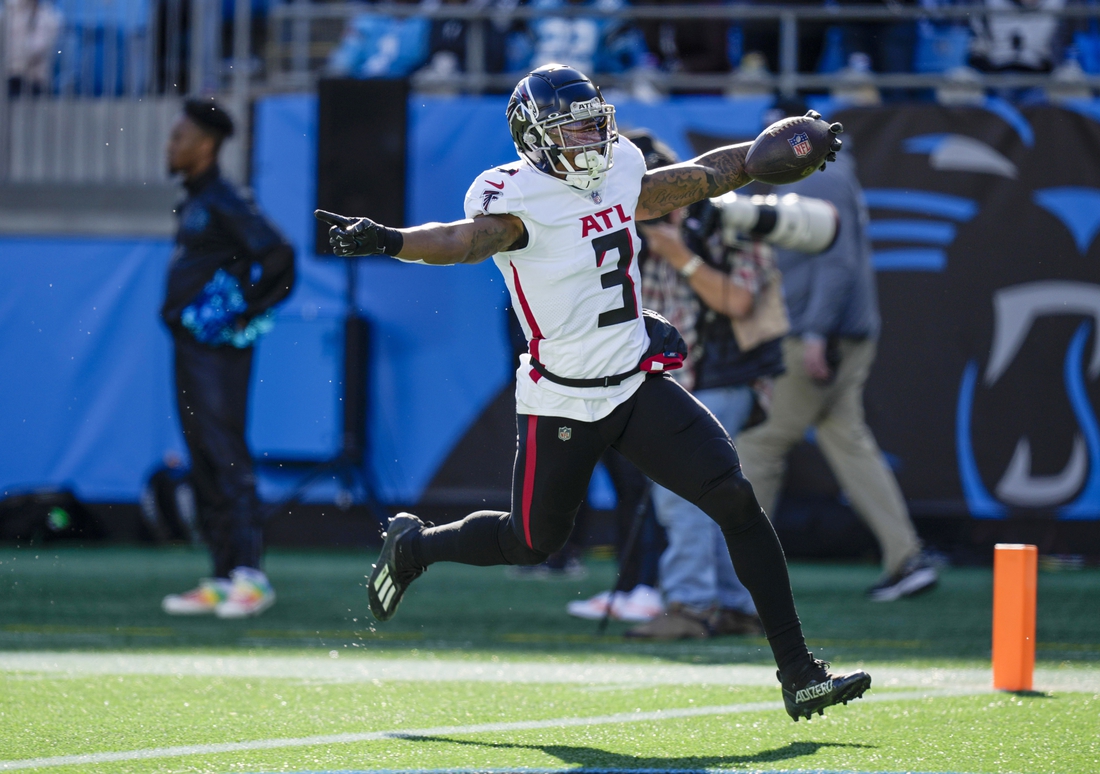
440	244
704	177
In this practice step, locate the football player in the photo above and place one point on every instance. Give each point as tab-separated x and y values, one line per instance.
560	224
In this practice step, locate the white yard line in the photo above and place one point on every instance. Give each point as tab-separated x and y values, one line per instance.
484	728
358	669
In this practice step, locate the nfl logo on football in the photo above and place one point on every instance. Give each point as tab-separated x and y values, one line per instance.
801	144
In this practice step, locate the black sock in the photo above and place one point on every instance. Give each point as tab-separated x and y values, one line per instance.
761	567
474	540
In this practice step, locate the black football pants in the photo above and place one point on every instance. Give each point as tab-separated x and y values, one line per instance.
212	398
674	440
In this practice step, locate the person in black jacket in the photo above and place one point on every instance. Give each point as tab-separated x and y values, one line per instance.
229	268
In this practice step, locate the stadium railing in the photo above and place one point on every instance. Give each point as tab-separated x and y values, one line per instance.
120	71
302	34
124	65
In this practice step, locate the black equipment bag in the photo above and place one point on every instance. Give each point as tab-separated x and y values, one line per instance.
168	510
45	516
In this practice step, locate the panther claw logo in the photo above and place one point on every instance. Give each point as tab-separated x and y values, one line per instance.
1016	309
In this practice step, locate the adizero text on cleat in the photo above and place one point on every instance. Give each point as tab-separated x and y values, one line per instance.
393	573
814	688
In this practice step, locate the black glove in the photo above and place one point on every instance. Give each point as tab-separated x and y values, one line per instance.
359	236
836	145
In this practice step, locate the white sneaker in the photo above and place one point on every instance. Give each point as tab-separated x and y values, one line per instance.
592	609
250	594
205	598
640	605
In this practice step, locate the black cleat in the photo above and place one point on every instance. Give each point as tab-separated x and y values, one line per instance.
814	688
393	574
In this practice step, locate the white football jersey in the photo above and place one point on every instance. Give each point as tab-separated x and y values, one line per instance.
575	287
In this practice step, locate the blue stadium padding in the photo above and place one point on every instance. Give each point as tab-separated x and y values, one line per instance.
85	385
440	351
284	181
451	141
295	411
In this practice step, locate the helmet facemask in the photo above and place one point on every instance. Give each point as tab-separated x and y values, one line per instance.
576	146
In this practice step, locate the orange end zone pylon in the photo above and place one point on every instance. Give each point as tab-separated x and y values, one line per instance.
1015	572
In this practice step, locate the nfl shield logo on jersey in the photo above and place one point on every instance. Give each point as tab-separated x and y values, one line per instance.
596	198
565	433
801	144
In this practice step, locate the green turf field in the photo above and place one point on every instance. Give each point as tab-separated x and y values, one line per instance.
479	672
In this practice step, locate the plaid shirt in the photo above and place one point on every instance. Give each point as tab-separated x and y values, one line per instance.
750	265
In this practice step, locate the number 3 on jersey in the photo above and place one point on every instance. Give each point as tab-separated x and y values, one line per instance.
620	241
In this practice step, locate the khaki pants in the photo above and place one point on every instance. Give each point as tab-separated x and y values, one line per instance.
836	412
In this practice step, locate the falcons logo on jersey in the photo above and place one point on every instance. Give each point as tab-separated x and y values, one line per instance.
487	198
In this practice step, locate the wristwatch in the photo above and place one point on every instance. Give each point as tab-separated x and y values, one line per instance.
691	267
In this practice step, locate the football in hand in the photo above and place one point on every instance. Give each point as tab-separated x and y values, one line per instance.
791	149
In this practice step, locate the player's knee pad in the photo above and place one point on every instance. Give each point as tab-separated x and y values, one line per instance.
732	503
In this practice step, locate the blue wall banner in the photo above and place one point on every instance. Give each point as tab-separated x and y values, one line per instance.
984	224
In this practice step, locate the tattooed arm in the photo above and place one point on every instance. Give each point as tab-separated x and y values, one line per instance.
712	174
464	241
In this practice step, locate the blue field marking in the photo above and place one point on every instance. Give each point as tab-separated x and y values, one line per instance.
925	202
913	259
925	231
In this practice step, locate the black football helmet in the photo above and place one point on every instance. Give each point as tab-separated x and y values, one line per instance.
562	125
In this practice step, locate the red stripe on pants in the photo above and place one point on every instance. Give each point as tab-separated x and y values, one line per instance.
529	477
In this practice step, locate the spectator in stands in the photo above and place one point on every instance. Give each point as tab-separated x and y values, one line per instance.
447	38
230	267
692	46
379	46
1024	42
698	291
598	43
33	27
828	355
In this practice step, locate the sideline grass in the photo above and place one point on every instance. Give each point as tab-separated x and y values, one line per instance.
107	601
49	715
104	598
